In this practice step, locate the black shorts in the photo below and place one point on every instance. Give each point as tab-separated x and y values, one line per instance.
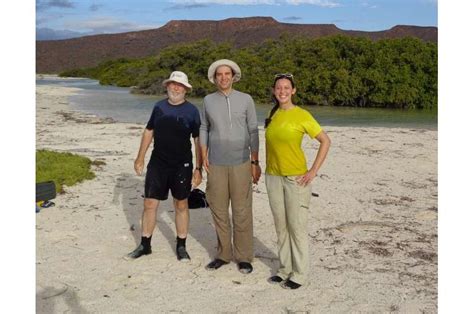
160	180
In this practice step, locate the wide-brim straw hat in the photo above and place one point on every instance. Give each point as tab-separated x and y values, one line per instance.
231	64
178	77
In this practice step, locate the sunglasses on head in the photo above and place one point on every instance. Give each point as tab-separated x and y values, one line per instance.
284	75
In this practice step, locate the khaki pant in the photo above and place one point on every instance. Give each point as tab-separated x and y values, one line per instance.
290	203
234	184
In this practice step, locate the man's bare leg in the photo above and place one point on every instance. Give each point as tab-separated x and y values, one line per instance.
150	207
182	225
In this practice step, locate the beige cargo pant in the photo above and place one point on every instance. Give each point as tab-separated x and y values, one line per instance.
232	184
289	203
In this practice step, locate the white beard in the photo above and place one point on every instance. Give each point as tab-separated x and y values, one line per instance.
176	98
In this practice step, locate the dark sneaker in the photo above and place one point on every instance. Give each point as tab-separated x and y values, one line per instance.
288	284
182	254
275	279
139	251
245	268
216	264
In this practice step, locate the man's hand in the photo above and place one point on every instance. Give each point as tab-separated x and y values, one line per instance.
139	163
197	178
147	138
205	164
256	173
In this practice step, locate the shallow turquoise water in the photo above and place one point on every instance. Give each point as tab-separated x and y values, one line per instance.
119	104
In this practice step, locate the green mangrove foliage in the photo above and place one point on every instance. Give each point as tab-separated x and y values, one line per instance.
334	71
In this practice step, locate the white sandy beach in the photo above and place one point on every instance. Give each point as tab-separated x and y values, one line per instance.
373	229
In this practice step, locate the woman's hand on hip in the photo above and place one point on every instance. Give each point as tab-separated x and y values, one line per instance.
307	178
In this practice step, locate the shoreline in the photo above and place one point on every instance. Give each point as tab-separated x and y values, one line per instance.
373	228
335	115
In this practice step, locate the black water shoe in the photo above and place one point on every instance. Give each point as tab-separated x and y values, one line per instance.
182	254
288	284
139	251
216	264
275	279
245	268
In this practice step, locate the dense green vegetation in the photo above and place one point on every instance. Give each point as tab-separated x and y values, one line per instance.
335	70
62	168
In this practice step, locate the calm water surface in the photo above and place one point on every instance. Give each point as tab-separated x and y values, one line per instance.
119	104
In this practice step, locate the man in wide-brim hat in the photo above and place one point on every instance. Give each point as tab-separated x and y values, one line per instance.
229	145
171	125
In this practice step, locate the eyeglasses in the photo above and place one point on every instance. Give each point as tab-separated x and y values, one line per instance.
284	75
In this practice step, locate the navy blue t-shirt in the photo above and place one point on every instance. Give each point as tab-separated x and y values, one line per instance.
172	127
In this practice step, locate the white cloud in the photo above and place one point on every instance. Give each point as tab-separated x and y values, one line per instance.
229	2
106	24
368	5
189	6
321	3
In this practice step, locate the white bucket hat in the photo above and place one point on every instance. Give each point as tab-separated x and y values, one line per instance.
212	69
178	77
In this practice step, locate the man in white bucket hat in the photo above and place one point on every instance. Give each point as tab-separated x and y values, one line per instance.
229	146
173	121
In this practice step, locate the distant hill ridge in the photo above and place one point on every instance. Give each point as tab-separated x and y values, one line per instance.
54	56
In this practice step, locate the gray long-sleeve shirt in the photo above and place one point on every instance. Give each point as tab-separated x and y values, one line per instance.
229	128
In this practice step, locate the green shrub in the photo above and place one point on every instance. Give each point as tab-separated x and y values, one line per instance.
333	70
62	168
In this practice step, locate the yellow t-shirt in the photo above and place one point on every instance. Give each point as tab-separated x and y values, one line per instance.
283	139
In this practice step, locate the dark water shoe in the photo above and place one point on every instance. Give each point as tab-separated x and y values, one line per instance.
182	254
216	264
139	251
245	268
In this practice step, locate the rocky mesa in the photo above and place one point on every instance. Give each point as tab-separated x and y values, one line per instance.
54	56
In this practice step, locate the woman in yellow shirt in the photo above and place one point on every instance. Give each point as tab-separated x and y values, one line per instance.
288	179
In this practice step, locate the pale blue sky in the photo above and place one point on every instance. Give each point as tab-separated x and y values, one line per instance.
70	18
